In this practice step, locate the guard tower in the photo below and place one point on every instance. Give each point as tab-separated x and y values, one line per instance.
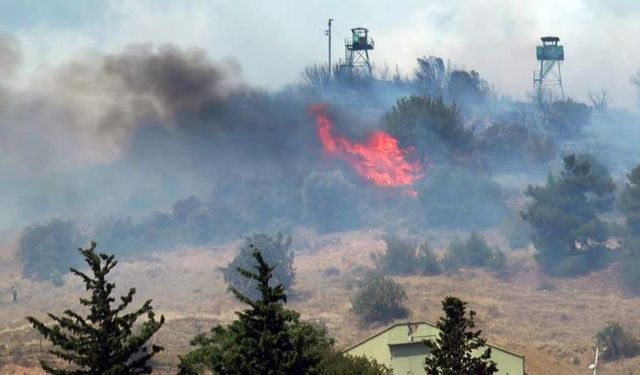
356	52
548	79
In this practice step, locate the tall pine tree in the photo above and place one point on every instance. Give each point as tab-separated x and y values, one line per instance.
266	339
629	204
102	342
452	353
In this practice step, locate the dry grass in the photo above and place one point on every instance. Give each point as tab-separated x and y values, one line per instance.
553	328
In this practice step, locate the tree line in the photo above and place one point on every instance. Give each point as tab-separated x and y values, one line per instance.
266	337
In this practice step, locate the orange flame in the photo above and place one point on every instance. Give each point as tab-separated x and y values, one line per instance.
380	160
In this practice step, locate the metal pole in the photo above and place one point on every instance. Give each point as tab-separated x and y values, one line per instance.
329	33
595	367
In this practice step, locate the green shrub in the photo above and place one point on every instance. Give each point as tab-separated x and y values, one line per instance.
618	342
338	363
473	252
404	256
399	256
379	299
427	260
566	118
467	88
512	146
275	250
428	125
45	249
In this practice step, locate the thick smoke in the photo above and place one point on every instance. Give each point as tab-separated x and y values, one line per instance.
68	130
86	112
171	82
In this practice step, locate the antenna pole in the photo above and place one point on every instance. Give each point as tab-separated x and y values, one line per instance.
328	33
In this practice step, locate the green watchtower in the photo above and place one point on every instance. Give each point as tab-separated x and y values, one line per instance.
548	78
356	51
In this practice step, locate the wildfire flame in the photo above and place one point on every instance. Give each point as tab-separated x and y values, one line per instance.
379	160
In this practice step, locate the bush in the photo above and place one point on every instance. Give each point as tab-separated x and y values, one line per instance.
47	249
403	256
427	261
567	117
399	256
275	251
467	88
121	235
430	126
618	342
473	252
455	198
330	201
379	299
338	363
512	146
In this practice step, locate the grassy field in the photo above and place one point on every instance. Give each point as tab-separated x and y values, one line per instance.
551	321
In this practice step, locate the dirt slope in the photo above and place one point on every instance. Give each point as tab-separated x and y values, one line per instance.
553	328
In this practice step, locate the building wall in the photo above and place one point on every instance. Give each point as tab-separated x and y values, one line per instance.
404	356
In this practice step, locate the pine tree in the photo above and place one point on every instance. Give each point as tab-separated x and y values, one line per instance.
266	339
102	342
452	353
568	231
629	204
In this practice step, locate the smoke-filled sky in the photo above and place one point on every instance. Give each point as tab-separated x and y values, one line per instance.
273	40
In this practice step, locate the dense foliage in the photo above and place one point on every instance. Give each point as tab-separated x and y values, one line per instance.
379	299
274	250
566	118
564	215
629	204
103	341
45	250
430	126
404	256
473	252
338	363
511	146
452	353
467	88
615	342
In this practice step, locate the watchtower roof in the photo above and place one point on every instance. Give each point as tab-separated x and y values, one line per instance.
550	39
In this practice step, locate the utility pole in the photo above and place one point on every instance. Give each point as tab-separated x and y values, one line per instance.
328	33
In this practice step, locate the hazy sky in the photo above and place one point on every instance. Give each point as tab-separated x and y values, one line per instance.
273	40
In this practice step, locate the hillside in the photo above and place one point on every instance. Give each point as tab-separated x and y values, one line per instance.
550	321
